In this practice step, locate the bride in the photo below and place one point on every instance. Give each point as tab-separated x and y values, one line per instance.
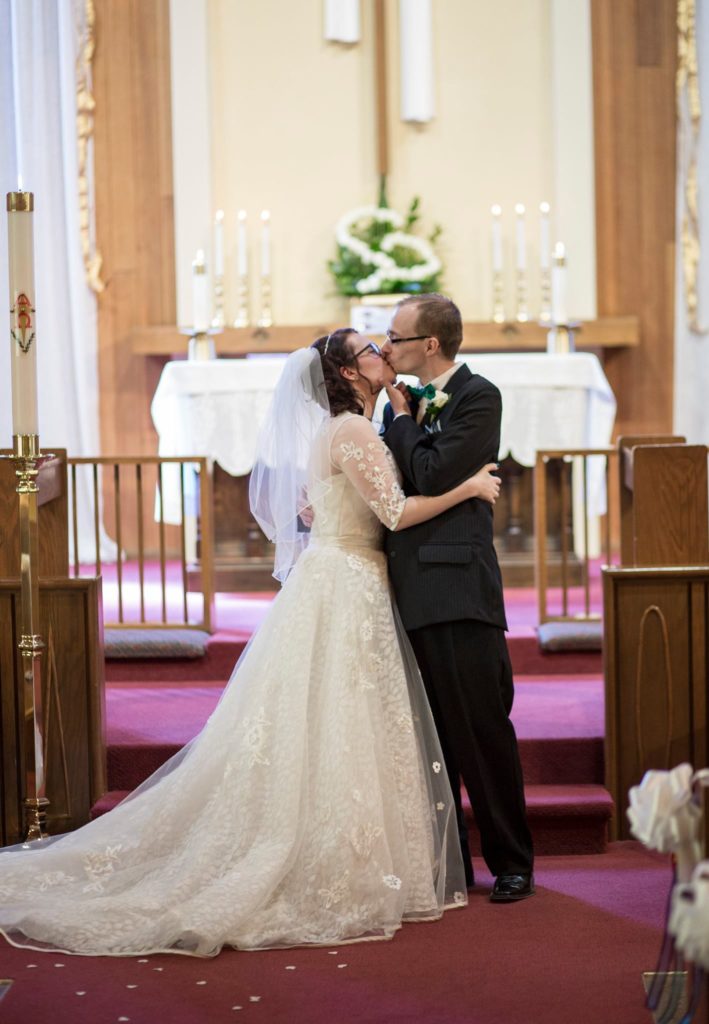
313	808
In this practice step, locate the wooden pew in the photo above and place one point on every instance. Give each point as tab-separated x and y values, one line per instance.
656	617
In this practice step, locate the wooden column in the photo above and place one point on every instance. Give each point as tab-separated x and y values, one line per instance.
134	210
634	61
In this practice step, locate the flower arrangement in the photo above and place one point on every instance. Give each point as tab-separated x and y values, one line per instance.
376	253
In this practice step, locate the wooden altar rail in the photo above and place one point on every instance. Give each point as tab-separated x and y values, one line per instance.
129	490
478	336
546	458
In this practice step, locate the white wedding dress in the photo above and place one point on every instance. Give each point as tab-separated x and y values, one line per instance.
313	808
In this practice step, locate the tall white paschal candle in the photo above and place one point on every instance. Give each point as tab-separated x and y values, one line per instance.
496	212
265	243
23	336
559	312
242	257
219	243
200	293
520	237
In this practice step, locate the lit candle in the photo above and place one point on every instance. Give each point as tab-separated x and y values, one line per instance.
219	244
496	212
520	237
544	235
265	243
242	257
200	296
558	285
23	339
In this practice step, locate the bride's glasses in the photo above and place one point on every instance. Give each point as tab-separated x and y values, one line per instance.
371	345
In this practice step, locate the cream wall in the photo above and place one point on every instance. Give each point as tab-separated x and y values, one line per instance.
293	130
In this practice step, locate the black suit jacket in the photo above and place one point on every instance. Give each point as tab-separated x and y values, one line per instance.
446	569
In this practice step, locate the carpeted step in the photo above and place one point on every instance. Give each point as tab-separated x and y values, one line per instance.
563	819
559	724
223	650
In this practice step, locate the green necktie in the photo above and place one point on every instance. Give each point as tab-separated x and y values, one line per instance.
428	392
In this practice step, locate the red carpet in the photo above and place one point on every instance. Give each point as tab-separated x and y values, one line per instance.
571	955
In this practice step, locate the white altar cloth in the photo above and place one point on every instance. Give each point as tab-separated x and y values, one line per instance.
216	408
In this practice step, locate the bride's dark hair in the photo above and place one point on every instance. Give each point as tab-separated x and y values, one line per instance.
334	353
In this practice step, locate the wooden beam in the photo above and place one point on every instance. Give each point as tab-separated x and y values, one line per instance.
634	62
612	332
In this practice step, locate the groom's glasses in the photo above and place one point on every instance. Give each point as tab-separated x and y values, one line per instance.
374	348
393	340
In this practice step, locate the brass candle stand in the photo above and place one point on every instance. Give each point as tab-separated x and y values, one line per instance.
266	317
522	314
28	458
560	339
218	320
201	347
242	302
545	296
498	297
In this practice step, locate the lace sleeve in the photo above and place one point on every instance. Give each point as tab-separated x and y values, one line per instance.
367	462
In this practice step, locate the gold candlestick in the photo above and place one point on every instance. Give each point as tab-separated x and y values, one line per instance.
498	297
266	318
28	459
218	318
545	295
560	339
242	302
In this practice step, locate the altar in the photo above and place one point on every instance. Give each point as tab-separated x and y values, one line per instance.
215	409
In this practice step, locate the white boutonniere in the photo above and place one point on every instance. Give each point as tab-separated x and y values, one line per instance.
435	404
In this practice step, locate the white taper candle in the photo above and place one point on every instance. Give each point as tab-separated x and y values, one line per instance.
219	243
496	212
265	243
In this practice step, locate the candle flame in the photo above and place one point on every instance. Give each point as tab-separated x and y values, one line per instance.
496	210
219	216
519	209
242	215
265	215
19	182
544	208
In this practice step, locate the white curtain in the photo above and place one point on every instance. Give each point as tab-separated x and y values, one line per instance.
38	45
691	391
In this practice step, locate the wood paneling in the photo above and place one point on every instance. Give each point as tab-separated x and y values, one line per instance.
52	515
634	61
73	701
134	210
656	653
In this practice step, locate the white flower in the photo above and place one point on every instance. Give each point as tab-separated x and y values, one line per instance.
436	766
458	897
661	813
366	630
440	806
392	881
386	269
690	914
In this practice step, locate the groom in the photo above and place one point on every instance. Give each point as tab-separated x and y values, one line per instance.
448	585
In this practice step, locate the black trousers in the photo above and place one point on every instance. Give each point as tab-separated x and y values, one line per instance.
468	679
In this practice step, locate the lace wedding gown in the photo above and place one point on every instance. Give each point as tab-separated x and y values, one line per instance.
313	807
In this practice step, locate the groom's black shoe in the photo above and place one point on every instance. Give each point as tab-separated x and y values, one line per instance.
509	888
